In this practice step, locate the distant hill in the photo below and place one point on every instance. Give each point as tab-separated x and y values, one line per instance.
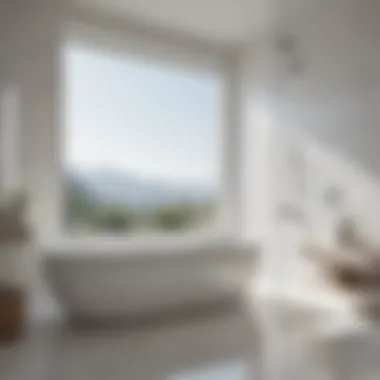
128	189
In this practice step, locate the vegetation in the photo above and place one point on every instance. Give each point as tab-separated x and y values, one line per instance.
84	213
112	218
174	216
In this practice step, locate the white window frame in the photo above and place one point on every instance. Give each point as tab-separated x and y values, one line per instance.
112	32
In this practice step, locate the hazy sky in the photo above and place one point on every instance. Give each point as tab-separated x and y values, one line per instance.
124	114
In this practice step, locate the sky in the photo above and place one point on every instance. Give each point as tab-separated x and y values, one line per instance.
124	114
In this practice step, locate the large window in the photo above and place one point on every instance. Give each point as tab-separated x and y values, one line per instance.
142	143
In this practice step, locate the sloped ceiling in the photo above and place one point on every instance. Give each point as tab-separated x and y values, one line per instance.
335	97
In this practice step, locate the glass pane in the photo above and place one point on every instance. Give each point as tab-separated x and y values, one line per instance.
142	145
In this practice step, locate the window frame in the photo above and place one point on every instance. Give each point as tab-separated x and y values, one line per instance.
112	34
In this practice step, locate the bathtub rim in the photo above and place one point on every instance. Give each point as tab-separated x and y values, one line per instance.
93	248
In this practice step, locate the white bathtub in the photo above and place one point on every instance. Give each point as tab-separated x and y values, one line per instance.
99	282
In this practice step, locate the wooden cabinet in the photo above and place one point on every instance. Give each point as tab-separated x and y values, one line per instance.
12	312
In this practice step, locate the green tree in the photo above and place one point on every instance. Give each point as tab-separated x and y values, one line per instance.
83	212
113	218
174	216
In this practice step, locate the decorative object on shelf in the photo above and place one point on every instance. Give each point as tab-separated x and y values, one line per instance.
353	267
14	235
347	234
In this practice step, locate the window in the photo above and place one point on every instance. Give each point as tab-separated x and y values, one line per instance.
142	144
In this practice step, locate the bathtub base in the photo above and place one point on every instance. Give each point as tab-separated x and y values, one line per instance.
145	284
217	306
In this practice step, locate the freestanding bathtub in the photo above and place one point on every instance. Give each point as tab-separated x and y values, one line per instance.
97	282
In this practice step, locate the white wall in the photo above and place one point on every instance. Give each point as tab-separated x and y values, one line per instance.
7	103
29	62
330	107
333	102
337	89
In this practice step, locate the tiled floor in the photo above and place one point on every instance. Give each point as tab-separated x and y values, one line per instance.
227	345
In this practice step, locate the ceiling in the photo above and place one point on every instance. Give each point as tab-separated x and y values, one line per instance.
219	21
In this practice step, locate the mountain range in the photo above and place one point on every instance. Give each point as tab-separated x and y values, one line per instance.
108	185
